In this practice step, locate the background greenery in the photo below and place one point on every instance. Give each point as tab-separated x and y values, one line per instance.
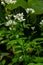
22	45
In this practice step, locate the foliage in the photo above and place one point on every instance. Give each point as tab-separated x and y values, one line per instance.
21	33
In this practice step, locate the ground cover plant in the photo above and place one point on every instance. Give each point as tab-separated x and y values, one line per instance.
21	32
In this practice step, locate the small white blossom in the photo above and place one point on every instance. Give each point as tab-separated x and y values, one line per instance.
29	10
32	10
10	28
9	23
33	27
2	3
41	22
10	1
14	23
19	17
6	17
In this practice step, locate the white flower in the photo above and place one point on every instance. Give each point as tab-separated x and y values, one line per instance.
7	1
10	1
33	27
3	3
14	23
19	17
9	23
29	10
32	10
41	22
13	1
6	17
10	28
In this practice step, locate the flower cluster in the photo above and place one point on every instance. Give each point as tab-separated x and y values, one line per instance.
19	17
10	1
29	10
10	22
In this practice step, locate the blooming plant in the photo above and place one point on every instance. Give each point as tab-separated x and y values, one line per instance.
21	32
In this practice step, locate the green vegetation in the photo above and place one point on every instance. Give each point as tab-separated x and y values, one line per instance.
21	32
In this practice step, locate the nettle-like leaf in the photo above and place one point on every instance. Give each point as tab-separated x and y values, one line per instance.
10	44
21	3
38	39
14	60
35	64
3	62
37	5
39	59
4	54
2	32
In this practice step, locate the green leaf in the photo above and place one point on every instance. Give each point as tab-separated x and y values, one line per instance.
4	54
3	62
20	41
37	5
1	38
10	64
19	51
11	43
14	60
4	41
39	59
17	46
38	39
2	32
21	58
35	64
